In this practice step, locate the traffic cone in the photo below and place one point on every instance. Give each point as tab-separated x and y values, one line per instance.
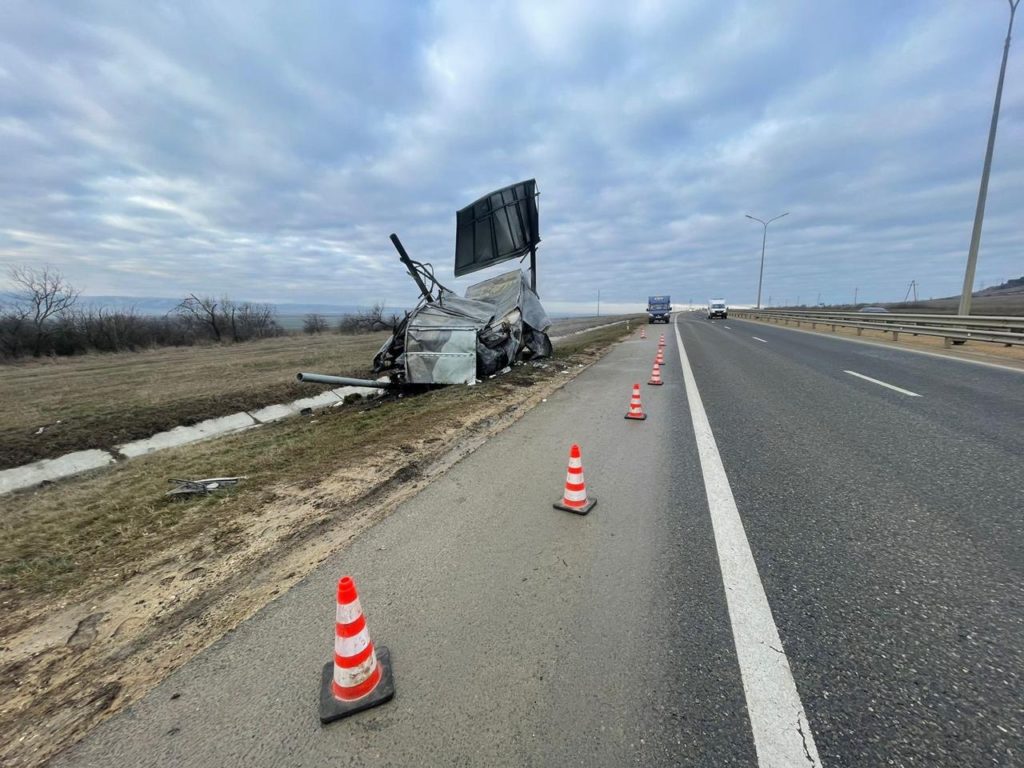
656	375
574	499
661	340
636	410
643	333
360	675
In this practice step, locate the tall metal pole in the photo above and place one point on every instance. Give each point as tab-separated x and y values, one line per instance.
598	302
533	268
764	239
979	214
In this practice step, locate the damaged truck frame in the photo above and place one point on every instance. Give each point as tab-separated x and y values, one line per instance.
451	339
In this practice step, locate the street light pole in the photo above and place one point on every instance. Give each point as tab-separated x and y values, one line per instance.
764	239
979	214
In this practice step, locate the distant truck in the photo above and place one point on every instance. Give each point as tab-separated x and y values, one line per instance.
659	309
717	308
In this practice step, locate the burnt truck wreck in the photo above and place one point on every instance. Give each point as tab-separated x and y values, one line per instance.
451	339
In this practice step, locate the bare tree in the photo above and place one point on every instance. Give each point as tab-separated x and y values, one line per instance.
368	321
258	320
314	323
39	296
203	312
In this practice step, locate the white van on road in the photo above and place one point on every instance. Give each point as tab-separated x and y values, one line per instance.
717	308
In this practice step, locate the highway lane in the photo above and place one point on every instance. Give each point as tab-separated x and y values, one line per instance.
520	635
888	532
977	400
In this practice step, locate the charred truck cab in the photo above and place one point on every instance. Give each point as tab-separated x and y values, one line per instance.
452	339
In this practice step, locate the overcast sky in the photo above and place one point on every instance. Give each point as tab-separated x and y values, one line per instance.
265	150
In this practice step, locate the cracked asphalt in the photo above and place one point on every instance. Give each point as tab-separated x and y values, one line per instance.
887	532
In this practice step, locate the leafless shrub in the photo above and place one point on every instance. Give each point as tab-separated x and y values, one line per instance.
41	317
367	321
314	323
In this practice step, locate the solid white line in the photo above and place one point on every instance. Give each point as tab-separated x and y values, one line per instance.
782	735
758	338
882	383
727	328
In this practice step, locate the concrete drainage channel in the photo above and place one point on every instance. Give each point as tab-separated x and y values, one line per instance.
70	464
48	470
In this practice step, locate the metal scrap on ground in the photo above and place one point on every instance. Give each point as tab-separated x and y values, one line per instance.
202	487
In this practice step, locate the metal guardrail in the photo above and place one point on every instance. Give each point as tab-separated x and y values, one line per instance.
955	329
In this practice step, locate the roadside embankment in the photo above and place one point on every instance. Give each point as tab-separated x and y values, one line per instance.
107	585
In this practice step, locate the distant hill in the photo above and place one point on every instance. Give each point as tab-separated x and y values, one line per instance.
1012	286
157	305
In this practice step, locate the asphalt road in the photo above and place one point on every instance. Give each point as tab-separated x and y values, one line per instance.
885	532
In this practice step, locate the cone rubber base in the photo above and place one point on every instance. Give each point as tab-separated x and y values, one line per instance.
332	709
655	383
577	510
635	418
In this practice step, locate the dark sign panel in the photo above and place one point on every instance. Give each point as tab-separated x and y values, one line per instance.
497	227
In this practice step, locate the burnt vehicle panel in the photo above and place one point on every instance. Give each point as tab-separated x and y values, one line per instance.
452	339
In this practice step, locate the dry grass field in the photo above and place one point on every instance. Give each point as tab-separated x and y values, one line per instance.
98	401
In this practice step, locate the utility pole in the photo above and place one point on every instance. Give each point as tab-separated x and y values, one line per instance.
979	214
598	302
764	239
855	296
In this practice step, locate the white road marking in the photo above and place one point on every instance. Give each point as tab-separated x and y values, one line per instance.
727	328
882	383
782	735
907	350
758	338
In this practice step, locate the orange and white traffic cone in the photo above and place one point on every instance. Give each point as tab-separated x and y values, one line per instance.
656	375
659	358
636	410
643	333
574	499
661	340
360	675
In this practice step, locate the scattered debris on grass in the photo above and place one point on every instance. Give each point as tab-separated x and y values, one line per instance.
202	487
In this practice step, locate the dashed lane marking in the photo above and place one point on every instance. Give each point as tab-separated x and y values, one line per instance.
906	392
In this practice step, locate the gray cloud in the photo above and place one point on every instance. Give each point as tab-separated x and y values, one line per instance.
267	151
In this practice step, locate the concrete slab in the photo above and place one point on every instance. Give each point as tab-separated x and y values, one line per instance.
81	461
185	435
273	413
52	469
322	400
343	392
